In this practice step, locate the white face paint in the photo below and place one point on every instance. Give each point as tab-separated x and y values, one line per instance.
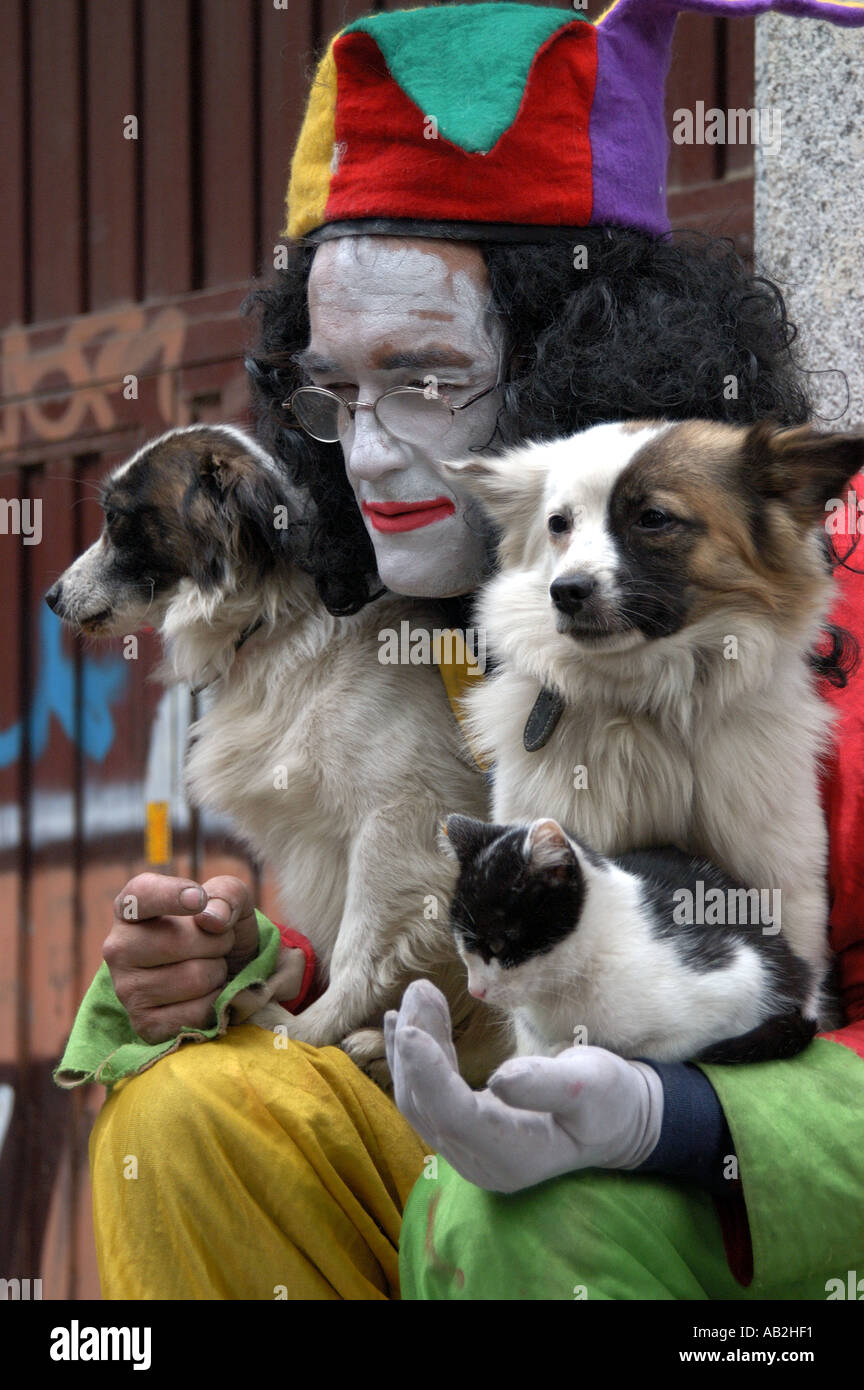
385	311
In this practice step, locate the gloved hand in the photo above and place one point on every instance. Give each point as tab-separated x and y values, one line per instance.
540	1116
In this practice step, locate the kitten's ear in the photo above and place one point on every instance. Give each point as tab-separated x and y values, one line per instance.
548	850
510	486
445	844
460	836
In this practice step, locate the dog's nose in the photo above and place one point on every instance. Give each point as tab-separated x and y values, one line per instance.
568	594
52	598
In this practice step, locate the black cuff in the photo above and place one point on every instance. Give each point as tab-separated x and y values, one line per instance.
695	1141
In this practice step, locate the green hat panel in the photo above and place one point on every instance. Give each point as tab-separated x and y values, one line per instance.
466	66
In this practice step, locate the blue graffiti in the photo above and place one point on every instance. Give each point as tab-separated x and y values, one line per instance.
102	684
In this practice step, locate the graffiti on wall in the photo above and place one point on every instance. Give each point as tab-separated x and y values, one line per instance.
115	806
68	387
103	683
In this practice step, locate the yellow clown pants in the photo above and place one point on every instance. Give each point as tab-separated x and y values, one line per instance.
255	1168
246	1168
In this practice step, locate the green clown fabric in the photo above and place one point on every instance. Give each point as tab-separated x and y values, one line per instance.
103	1047
610	1236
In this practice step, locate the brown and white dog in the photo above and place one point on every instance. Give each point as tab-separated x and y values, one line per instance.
336	769
664	585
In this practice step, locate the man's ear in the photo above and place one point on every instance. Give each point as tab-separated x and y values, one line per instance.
509	486
800	468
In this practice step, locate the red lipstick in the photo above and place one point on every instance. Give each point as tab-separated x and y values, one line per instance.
407	516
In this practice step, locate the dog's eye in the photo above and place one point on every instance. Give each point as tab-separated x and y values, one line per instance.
110	516
558	524
654	519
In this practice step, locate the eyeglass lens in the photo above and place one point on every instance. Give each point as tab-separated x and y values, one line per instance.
408	415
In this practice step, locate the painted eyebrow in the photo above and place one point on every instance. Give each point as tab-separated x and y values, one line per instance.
311	361
426	357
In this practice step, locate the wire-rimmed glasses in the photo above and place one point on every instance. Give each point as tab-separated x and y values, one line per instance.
411	413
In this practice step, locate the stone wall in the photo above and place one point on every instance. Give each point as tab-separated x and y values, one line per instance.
809	202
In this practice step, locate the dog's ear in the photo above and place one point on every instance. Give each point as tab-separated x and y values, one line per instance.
509	486
801	469
262	516
214	466
243	514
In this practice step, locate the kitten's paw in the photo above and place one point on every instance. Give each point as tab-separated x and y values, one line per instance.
366	1049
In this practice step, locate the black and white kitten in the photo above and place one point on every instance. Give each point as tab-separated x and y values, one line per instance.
575	947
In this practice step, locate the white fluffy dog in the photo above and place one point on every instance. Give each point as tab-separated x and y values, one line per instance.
661	588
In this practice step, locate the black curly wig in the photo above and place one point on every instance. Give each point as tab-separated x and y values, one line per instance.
652	327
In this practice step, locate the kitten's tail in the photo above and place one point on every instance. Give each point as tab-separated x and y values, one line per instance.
785	1035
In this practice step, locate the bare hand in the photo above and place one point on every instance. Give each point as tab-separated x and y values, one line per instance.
174	945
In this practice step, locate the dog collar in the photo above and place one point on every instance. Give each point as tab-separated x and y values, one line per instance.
247	633
244	637
543	719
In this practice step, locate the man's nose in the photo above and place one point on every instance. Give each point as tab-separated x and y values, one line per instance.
570	592
370	450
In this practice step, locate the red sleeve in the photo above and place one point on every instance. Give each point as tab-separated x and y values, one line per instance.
843	799
290	937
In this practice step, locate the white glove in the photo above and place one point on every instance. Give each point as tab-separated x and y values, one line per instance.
539	1118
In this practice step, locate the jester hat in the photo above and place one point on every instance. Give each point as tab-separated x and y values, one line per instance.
506	120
